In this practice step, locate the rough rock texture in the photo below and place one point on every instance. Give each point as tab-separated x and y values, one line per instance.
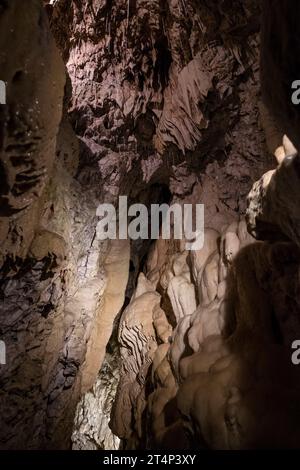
28	135
165	94
32	269
91	424
234	311
159	101
228	360
55	275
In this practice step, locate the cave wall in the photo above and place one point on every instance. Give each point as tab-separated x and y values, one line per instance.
32	257
280	63
55	281
235	303
157	100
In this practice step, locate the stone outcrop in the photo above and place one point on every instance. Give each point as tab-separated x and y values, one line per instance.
57	280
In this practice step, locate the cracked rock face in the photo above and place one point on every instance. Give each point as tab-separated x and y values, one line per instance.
139	344
91	424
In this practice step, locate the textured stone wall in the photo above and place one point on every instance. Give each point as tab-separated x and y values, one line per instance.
32	257
159	101
54	273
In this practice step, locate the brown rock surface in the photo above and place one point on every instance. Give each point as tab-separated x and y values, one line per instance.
139	341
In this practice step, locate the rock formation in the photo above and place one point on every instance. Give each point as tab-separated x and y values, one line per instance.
143	344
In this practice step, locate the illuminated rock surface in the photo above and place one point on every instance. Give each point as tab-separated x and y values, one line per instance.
139	344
